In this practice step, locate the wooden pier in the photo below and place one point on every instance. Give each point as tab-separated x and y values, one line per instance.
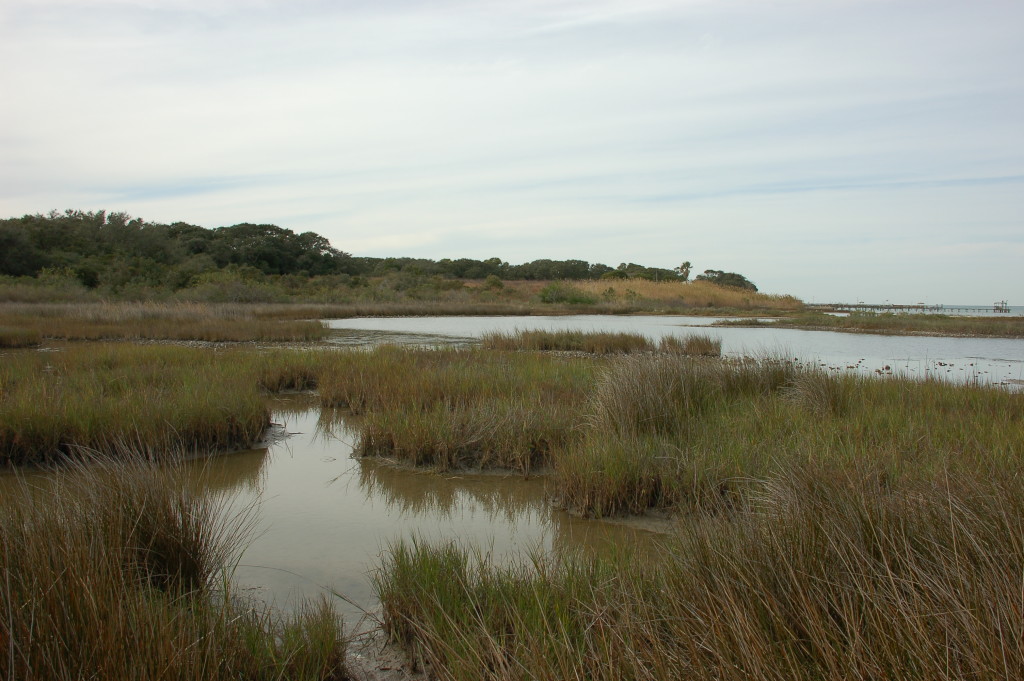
999	307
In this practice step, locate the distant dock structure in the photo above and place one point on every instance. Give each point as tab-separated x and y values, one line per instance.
998	307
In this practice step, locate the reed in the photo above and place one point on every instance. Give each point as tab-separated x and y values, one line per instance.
154	321
679	434
698	345
827	573
19	338
597	343
904	323
162	400
460	408
690	294
118	571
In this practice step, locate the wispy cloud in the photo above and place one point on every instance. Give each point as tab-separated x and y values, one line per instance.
740	135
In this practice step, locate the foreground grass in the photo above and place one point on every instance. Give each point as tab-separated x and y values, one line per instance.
832	526
118	572
887	322
679	433
828	573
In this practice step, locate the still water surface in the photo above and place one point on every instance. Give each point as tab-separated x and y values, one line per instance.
987	360
322	517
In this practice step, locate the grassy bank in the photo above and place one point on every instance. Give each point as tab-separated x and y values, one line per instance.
118	572
151	321
460	408
830	526
600	343
829	573
163	401
682	433
887	322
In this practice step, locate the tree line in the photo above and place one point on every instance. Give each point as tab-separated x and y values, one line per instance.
115	249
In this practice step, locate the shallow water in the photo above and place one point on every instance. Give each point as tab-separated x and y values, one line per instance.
322	517
984	360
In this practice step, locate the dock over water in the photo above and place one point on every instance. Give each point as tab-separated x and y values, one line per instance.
998	307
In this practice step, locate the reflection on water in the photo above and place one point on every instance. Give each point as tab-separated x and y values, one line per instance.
322	517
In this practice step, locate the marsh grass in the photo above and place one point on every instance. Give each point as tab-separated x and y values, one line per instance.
887	322
597	343
691	294
155	321
600	343
466	408
679	433
697	344
827	573
19	338
162	400
118	571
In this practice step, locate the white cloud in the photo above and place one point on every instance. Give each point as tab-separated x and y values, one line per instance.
734	134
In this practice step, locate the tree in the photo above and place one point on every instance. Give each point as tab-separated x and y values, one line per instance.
726	279
684	270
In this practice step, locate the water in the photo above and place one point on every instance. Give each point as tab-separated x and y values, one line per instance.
997	361
322	518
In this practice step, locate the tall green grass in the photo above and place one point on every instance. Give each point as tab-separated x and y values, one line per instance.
678	433
567	341
159	400
827	573
460	408
119	572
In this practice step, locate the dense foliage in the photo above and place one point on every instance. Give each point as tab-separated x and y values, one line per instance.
117	252
726	279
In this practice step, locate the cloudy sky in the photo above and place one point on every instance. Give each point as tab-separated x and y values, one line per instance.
837	150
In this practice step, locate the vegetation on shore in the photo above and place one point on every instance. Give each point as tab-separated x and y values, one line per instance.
80	256
830	572
892	323
829	525
599	343
161	401
150	321
118	571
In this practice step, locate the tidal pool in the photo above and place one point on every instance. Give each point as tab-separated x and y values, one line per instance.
321	517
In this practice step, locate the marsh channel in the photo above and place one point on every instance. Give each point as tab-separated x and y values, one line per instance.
321	517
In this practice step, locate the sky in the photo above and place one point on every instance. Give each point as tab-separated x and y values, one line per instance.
836	150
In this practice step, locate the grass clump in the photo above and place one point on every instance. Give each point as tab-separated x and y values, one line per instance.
460	408
19	338
568	341
827	573
155	321
118	572
697	345
161	400
676	433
